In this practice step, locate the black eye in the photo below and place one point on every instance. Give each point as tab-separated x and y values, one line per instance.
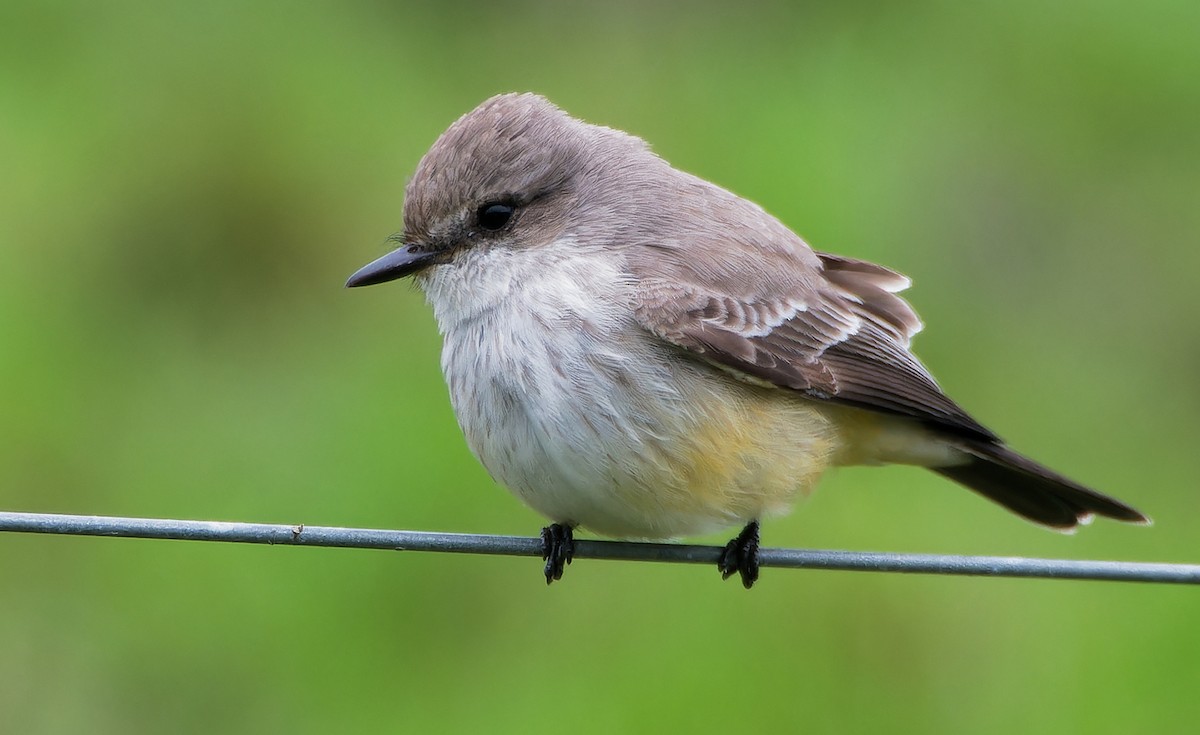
495	215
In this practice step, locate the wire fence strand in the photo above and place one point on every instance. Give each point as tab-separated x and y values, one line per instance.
467	543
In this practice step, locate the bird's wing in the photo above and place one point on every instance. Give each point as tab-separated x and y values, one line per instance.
829	327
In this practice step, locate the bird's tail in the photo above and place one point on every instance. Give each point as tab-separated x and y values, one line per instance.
1031	490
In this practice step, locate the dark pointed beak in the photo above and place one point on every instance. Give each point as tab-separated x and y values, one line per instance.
399	263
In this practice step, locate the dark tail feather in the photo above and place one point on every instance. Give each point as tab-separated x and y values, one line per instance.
1033	491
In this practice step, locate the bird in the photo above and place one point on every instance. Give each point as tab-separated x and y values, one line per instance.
636	351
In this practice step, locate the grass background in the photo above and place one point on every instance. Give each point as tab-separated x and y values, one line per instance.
186	187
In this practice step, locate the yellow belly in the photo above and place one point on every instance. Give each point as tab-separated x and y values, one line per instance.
744	453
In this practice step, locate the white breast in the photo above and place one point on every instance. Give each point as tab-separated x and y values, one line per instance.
568	403
540	394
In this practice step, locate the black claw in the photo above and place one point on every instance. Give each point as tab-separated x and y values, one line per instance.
558	548
740	556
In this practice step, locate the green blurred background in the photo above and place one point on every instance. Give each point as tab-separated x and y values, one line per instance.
185	188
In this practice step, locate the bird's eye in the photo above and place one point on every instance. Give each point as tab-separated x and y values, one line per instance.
495	215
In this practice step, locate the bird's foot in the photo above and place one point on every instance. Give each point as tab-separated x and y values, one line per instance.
740	556
558	547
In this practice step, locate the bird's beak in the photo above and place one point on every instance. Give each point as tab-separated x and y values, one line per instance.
401	262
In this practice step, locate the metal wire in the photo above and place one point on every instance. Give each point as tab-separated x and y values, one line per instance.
465	543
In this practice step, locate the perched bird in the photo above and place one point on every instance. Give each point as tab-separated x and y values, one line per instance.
637	351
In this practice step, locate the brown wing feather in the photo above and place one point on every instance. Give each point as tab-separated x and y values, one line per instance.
841	336
874	288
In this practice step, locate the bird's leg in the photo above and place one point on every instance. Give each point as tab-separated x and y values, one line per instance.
558	547
740	556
